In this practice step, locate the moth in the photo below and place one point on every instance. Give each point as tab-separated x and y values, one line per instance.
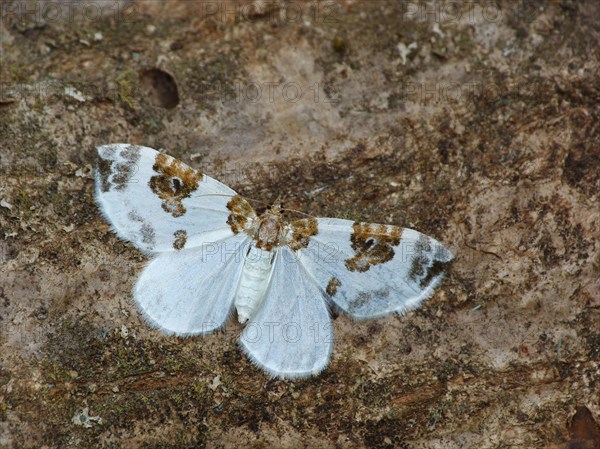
212	253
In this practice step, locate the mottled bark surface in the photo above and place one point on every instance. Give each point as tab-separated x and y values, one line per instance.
478	126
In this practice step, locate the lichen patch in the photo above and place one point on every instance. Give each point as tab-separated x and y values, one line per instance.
175	182
373	244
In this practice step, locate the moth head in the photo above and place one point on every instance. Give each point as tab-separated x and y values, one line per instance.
275	209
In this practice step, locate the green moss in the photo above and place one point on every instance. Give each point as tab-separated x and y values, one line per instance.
19	72
200	391
339	45
22	201
178	398
126	82
3	409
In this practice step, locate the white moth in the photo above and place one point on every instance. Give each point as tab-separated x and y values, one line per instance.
212	253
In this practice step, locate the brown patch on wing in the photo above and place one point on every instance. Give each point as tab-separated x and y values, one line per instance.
127	167
436	268
148	234
180	239
146	230
110	151
421	260
417	268
175	182
241	213
373	244
426	265
302	231
332	286
104	171
359	301
363	299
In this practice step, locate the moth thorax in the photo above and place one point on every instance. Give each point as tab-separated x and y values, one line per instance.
269	233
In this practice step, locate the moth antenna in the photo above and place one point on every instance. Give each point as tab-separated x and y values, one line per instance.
264	203
298	212
215	194
279	200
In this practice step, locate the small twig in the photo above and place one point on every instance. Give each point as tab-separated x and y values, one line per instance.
484	251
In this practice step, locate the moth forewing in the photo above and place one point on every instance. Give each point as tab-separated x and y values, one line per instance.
373	269
157	202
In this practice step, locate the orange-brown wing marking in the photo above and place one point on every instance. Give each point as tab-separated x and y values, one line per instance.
332	286
302	231
373	244
175	182
180	239
241	214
